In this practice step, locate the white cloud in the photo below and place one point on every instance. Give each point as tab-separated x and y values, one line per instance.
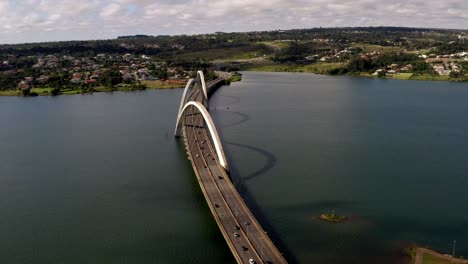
110	10
43	20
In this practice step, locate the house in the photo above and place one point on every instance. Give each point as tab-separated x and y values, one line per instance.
127	76
376	73
311	58
128	57
23	85
153	46
76	78
440	69
455	67
43	79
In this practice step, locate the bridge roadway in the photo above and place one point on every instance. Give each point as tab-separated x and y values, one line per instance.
244	235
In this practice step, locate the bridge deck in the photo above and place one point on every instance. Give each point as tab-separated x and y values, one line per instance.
244	235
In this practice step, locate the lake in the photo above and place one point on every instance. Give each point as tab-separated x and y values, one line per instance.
101	179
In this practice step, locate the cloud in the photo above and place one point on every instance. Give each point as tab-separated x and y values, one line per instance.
45	20
110	10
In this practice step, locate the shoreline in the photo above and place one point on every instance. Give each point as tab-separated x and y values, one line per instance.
422	255
149	85
16	93
47	91
335	69
158	85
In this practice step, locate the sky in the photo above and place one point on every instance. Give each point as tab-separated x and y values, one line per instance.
52	20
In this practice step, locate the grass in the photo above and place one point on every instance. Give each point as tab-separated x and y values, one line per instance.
234	78
102	89
9	93
365	74
277	44
324	67
269	67
377	48
41	90
157	84
244	56
38	90
401	76
430	259
70	91
235	53
320	68
428	77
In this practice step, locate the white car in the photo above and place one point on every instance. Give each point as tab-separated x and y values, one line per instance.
251	261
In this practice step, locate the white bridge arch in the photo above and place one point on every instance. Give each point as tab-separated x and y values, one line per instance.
197	83
211	128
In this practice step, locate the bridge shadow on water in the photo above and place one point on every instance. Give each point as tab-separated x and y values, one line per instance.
235	99
239	181
249	198
269	164
243	118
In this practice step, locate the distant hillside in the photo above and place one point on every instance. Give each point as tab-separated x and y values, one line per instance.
168	46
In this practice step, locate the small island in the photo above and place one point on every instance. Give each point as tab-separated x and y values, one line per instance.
332	217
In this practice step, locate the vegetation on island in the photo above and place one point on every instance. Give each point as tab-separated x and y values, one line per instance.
332	217
139	62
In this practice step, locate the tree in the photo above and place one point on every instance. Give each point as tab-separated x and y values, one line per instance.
25	92
111	78
422	67
381	74
455	74
55	91
142	86
359	65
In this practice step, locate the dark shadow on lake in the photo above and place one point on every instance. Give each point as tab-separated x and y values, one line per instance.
269	164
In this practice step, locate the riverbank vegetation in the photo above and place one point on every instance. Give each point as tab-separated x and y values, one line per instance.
168	61
143	85
235	77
